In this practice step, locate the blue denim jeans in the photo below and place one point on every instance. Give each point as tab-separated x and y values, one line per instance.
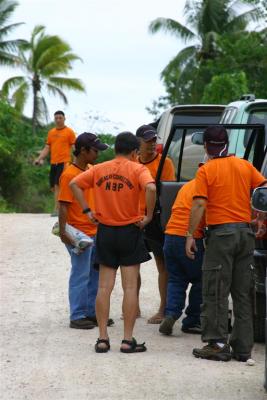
182	271
83	283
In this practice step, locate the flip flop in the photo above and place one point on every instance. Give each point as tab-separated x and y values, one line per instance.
155	320
99	349
134	346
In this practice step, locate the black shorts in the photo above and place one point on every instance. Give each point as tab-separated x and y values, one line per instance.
154	247
55	173
120	246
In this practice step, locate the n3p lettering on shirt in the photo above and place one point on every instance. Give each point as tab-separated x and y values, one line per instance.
108	180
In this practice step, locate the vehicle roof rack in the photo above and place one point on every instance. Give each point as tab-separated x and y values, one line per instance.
248	97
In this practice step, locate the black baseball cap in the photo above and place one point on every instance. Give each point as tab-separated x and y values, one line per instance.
146	132
216	139
87	139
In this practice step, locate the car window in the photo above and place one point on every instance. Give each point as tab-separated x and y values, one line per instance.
193	154
228	115
255	116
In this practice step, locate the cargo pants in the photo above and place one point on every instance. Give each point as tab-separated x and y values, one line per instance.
228	269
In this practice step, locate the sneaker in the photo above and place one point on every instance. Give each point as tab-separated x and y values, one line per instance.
94	321
213	352
196	329
167	325
82	323
240	357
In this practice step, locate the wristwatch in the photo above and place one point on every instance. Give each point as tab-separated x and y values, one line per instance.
86	210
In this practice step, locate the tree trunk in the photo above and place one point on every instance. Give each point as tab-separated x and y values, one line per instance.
36	85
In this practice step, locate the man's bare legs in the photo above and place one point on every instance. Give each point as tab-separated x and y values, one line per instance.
138	313
129	279
107	277
56	192
162	282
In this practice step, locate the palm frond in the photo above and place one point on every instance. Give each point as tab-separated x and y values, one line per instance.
67	83
6	9
171	26
10	84
240	22
180	60
19	97
54	90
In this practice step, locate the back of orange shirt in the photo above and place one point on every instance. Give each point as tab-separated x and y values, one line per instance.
168	174
60	142
117	185
179	220
75	216
226	183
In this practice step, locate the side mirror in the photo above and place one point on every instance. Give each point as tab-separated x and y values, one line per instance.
259	199
197	138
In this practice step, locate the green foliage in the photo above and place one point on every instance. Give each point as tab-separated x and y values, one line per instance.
108	154
209	25
45	61
7	57
225	88
23	186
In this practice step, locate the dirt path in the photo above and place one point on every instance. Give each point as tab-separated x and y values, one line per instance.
43	359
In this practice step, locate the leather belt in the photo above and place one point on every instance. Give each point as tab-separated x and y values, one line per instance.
230	225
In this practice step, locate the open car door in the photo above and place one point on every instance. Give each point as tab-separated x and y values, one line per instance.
186	152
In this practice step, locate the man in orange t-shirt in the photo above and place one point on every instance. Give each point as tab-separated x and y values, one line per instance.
223	187
181	270
59	144
150	158
83	281
117	185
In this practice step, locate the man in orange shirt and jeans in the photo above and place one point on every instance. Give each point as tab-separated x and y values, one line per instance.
149	157
83	281
59	143
117	185
223	187
181	270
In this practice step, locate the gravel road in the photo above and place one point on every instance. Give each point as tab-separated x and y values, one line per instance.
43	359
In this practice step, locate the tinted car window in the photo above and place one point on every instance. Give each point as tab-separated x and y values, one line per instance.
192	154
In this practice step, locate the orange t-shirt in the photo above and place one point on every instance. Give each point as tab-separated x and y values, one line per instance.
117	185
75	216
179	220
226	183
167	174
60	142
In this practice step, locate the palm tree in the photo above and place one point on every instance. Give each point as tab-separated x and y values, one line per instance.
45	60
7	46
206	20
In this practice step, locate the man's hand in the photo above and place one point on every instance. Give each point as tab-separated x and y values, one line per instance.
92	218
65	238
190	247
38	162
141	224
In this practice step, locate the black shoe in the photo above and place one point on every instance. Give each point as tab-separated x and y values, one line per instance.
167	325
82	323
214	352
240	357
94	321
195	330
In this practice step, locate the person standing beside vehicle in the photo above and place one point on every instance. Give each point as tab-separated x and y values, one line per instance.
181	270
149	157
223	187
59	143
117	185
83	281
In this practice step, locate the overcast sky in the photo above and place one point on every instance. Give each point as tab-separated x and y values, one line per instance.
121	60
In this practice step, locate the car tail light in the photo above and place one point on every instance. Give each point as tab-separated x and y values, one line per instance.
159	148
